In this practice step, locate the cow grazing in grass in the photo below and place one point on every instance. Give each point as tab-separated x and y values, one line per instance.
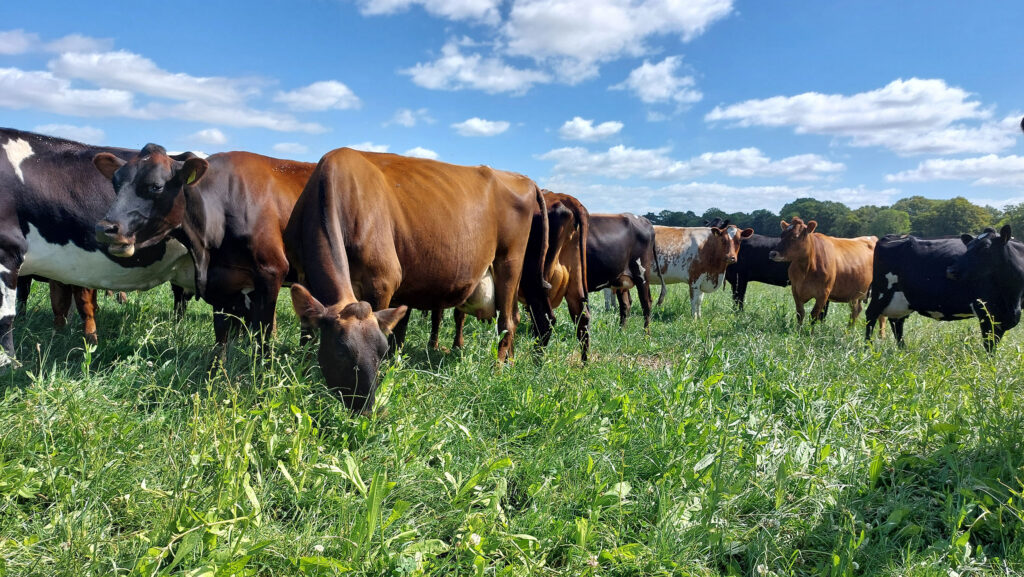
621	255
229	210
993	269
825	268
51	197
374	230
909	275
697	256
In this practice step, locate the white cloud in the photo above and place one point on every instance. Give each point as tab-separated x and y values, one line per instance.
370	147
127	71
655	164
483	10
240	116
409	118
657	83
41	90
455	70
909	117
420	152
86	134
700	196
480	127
17	42
577	35
583	129
989	170
322	95
211	136
291	148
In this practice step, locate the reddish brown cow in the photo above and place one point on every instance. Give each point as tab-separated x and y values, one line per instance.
564	267
372	230
61	296
825	268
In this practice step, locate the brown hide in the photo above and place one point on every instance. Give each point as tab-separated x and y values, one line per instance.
825	268
384	229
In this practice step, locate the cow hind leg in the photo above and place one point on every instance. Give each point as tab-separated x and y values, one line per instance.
9	264
180	301
85	302
436	316
625	304
506	276
24	289
579	312
739	293
640	273
696	298
460	327
60	303
897	330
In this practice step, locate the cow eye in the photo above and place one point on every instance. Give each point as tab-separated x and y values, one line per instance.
155	188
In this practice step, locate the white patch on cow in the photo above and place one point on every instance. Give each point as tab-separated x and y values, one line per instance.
935	315
481	303
898	307
245	295
17	151
72	265
696	298
678	249
641	267
731	231
893	279
8	298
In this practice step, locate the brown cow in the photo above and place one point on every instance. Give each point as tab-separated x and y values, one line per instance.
372	230
61	296
825	268
698	257
229	210
564	268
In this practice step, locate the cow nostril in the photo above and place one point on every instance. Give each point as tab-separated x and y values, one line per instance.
110	229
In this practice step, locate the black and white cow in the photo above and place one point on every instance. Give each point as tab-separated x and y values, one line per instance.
755	266
51	197
909	275
993	267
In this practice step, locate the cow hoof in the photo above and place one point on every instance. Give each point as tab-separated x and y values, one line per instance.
92	339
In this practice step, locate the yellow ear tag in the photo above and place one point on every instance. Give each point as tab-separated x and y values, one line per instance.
191	178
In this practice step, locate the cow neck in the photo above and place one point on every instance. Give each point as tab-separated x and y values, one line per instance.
329	279
812	253
193	234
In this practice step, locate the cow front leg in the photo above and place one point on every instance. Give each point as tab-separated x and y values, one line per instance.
460	326
181	297
625	304
226	326
60	303
800	303
9	265
436	316
579	312
85	302
696	298
24	290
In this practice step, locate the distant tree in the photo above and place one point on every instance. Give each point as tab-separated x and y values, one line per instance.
850	225
916	207
712	214
765	222
955	216
827	213
889	221
1013	215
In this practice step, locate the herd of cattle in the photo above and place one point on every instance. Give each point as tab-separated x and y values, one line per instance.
363	237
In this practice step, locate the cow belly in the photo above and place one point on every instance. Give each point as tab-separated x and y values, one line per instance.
898	307
73	265
708	283
481	303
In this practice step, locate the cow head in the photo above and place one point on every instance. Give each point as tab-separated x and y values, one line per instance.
150	202
727	241
984	256
795	241
353	341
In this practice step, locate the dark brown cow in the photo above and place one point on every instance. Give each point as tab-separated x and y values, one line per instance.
564	267
372	230
825	268
229	210
620	255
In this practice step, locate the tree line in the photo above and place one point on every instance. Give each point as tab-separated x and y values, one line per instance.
915	215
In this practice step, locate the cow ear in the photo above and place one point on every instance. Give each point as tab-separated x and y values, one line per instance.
747	233
966	238
811	226
716	231
388	318
193	170
107	164
783	224
1004	234
307	308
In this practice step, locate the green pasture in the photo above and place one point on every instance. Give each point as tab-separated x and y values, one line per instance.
730	445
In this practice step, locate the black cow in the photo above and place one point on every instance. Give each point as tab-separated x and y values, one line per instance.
755	266
50	199
620	253
993	268
909	275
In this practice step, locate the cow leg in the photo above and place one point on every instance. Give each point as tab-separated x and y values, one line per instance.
180	301
436	316
739	293
696	298
625	304
579	312
226	325
800	303
820	302
609	299
855	307
507	272
460	325
85	302
398	334
640	271
24	289
10	262
60	303
897	330
879	301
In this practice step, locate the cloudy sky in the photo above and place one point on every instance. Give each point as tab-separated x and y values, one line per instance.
629	104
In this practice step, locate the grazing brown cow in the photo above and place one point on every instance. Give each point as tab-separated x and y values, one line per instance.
564	268
825	268
697	256
229	210
372	230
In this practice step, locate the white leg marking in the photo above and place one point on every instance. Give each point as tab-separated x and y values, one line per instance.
8	297
17	151
642	269
893	279
696	298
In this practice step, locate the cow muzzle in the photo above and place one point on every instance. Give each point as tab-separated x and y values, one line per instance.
775	256
109	233
730	259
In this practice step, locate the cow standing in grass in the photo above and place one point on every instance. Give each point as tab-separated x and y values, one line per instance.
825	268
621	254
697	256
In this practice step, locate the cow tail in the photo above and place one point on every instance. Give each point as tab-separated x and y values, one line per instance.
657	268
545	229
582	233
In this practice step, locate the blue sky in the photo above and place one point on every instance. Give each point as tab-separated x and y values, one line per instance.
632	105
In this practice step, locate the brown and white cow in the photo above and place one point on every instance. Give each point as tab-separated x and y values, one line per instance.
564	269
697	256
825	268
229	210
372	230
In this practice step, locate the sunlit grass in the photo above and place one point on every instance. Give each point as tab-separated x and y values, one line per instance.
729	445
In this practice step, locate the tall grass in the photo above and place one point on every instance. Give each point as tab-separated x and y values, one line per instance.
730	445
